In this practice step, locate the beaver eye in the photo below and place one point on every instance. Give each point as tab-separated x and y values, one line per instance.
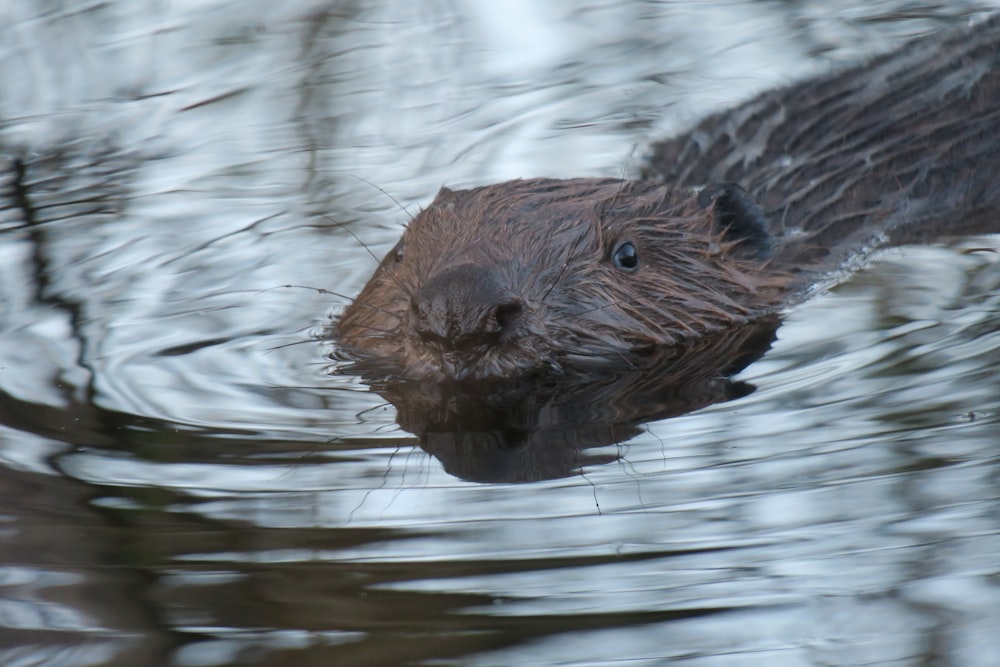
626	257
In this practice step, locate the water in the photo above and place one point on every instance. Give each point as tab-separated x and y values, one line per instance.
183	483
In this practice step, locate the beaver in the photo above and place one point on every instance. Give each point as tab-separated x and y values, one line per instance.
731	221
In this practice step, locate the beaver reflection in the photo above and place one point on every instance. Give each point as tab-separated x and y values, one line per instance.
527	430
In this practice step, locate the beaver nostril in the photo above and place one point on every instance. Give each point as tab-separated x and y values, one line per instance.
507	314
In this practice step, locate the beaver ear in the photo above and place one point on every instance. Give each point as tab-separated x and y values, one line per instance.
740	219
444	196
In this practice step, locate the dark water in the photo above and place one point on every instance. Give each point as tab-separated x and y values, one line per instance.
183	483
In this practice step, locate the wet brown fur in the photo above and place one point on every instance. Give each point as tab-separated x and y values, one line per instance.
579	308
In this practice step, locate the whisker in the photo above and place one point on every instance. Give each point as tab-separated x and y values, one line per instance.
387	332
381	310
563	268
399	283
318	290
393	199
283	346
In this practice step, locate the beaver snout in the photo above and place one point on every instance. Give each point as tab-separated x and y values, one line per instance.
465	307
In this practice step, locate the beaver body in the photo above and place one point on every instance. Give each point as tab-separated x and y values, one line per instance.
902	149
548	276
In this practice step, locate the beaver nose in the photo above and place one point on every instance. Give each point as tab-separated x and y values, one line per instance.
465	307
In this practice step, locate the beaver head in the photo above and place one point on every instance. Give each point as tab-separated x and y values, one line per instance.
542	275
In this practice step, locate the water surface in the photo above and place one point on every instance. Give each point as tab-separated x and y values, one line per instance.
184	187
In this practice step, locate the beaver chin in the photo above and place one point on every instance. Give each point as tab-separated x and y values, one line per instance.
491	365
530	355
519	356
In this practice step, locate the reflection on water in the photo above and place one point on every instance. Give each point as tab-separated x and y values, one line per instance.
182	483
533	429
